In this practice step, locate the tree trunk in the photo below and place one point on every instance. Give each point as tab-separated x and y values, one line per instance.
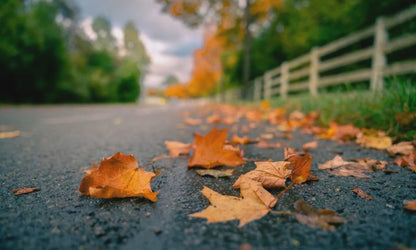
247	48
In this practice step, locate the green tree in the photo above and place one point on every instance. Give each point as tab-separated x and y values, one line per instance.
170	79
135	49
104	38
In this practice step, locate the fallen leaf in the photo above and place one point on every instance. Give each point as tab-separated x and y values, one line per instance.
266	136
225	208
311	217
409	205
254	115
177	148
374	139
118	176
228	120
265	104
362	194
407	161
215	172
252	189
308	146
213	119
372	163
240	140
10	134
245	129
252	125
192	121
266	144
269	174
340	167
209	151
300	166
24	190
401	148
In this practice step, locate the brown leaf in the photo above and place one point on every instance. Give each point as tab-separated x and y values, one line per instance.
307	146
240	140
209	151
251	189
266	144
409	205
401	148
311	217
407	161
225	208
245	129
178	148
300	165
340	167
118	176
372	163
24	190
217	173
269	174
213	119
362	194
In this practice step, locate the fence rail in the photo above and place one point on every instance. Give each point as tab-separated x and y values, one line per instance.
312	71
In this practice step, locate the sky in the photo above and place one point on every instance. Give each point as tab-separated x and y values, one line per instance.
169	42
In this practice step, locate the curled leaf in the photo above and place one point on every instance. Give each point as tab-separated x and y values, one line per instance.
269	174
240	140
177	148
409	205
24	190
308	146
118	176
217	173
300	165
402	148
362	194
311	217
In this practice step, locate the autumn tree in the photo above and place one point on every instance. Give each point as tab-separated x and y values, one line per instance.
232	21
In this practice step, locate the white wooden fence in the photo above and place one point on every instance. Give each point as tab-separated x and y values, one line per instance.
310	72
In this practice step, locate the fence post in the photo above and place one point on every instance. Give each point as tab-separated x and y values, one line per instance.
267	86
314	72
379	59
284	79
257	89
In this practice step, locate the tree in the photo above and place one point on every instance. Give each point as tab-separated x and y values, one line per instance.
170	79
134	48
104	38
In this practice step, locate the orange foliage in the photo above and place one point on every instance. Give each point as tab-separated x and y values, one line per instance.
176	90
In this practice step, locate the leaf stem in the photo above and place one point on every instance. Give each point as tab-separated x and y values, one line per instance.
285	190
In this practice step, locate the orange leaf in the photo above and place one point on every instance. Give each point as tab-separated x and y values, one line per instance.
192	121
362	194
225	208
178	148
307	146
213	119
402	148
300	165
240	140
407	161
24	190
266	144
409	205
269	174
118	176
209	151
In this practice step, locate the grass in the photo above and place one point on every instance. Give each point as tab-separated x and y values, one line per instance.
392	110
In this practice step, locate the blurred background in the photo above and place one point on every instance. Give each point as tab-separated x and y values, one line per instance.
89	51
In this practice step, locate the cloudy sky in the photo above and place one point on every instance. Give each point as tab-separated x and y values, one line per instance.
169	43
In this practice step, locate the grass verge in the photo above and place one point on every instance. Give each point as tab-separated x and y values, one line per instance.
392	110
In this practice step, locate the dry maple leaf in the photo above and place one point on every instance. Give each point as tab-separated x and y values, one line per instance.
269	174
362	194
177	148
311	217
372	163
24	190
401	148
209	151
215	172
409	205
266	144
340	167
252	189
300	166
407	161
118	176
240	140
225	208
213	119
308	146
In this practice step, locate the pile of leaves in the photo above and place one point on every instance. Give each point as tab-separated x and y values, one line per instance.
212	155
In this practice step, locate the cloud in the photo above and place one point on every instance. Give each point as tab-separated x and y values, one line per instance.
169	42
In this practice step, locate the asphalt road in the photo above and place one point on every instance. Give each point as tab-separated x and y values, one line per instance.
58	143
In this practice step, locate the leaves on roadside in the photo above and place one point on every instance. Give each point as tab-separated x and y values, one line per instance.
225	208
118	176
311	217
269	174
240	140
217	173
409	205
407	161
401	148
309	145
263	143
374	139
177	148
24	190
362	194
192	121
209	151
337	166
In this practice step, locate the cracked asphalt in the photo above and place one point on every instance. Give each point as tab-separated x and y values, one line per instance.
57	143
